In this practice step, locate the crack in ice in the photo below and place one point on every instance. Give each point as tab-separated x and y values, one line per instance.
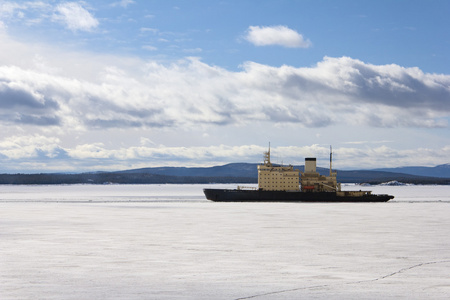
353	282
402	270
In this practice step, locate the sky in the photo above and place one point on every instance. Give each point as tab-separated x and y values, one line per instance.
115	85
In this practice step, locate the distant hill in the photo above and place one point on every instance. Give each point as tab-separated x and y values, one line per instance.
248	170
229	173
115	177
437	171
233	170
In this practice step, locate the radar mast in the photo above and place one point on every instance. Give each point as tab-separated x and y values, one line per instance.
267	157
331	159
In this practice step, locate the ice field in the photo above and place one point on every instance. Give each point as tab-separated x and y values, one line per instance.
168	242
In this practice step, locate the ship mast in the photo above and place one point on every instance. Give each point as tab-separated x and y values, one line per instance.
267	157
331	159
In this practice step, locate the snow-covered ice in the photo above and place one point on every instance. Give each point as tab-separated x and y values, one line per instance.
168	242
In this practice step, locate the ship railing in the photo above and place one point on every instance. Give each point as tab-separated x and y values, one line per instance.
322	185
241	187
329	186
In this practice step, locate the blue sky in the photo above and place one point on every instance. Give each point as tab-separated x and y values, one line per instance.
108	85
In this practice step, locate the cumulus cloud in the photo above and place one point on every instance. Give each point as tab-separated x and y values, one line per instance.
37	151
62	94
20	104
190	92
75	16
276	35
30	146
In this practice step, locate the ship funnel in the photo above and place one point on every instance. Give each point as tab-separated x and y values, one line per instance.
310	165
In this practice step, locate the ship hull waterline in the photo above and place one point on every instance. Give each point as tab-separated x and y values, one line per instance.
229	195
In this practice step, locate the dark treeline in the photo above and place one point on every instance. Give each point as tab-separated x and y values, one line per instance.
118	178
375	177
370	177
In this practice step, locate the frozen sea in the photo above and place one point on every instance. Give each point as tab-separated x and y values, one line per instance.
168	242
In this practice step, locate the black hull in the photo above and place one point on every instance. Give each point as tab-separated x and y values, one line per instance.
225	195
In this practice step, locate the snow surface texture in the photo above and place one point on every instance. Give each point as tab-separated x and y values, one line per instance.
168	242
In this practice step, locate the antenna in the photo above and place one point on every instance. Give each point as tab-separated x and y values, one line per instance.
331	159
267	157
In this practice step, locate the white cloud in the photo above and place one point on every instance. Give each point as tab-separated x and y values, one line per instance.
147	29
123	3
75	17
192	50
149	48
96	156
190	92
54	96
29	146
13	10
72	14
7	9
276	35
